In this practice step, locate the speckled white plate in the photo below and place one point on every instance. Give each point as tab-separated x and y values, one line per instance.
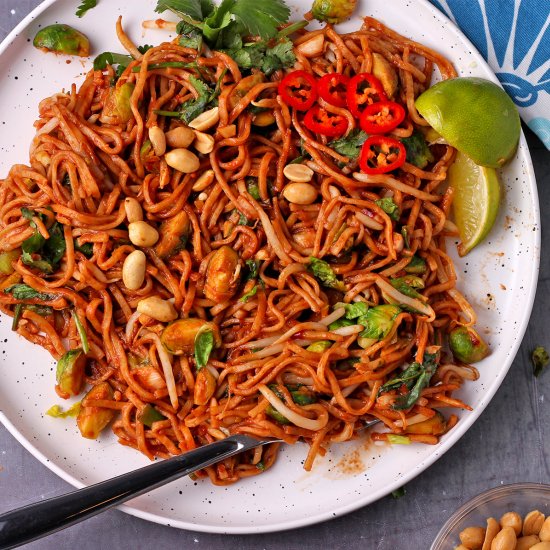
499	278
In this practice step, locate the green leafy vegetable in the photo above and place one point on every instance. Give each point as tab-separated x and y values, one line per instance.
252	188
57	412
354	310
251	293
85	6
253	268
194	107
398	439
378	321
407	285
143	49
87	248
389	207
415	378
350	146
196	9
25	292
324	273
204	344
540	359
342	322
300	394
417	266
418	152
117	60
190	36
81	332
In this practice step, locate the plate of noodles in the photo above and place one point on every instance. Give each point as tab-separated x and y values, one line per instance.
207	249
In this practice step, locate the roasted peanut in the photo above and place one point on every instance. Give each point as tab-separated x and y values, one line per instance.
300	193
206	120
222	275
228	131
133	270
204	143
513	520
472	537
183	160
157	308
205	180
312	47
544	533
158	140
142	234
490	533
524	543
505	540
541	546
180	137
134	213
298	172
533	523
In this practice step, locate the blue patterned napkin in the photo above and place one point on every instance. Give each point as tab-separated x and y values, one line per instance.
514	37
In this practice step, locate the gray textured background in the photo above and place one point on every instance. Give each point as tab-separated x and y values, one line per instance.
505	445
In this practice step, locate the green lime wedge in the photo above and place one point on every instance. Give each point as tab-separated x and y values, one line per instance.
474	115
475	201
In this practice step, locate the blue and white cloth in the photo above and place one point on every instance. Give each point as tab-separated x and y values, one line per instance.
514	37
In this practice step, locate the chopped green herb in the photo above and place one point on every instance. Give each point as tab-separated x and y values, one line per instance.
350	146
540	359
251	293
87	248
407	285
389	207
25	292
254	268
204	344
418	152
190	36
324	273
85	6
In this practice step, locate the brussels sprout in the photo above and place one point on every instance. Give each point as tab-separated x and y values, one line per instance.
173	235
467	345
417	266
436	425
333	11
378	321
222	275
149	415
243	87
205	386
320	346
6	259
386	73
301	395
91	420
70	371
276	415
62	39
179	337
117	108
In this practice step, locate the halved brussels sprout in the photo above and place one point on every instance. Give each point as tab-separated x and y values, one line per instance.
222	275
70	371
205	386
386	73
333	11
179	337
467	345
320	346
6	259
436	425
173	235
149	415
378	321
92	420
243	87
117	108
61	38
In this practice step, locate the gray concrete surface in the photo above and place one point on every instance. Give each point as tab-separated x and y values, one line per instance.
507	444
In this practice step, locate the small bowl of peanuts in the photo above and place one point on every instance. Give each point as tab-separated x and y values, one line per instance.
509	517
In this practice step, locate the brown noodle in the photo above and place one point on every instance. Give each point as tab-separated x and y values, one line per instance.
82	170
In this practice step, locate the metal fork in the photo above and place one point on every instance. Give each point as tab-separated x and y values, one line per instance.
37	520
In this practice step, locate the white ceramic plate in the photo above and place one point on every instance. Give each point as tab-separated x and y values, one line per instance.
499	278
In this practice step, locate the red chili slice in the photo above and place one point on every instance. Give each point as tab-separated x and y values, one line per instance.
321	121
298	89
382	117
332	88
363	90
381	154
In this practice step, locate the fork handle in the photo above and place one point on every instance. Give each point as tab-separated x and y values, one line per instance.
48	516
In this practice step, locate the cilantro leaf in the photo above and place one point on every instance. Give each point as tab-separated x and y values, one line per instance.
117	60
196	9
260	17
407	285
143	49
191	109
253	268
278	57
418	152
85	6
350	146
190	36
25	292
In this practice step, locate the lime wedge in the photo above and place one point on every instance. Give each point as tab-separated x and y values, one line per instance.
475	202
474	115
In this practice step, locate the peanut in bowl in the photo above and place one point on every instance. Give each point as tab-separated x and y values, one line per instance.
509	517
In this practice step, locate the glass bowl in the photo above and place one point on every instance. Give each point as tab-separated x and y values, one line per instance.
518	497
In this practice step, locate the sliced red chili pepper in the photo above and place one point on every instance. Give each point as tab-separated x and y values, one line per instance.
382	117
381	154
332	88
364	89
299	90
321	121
